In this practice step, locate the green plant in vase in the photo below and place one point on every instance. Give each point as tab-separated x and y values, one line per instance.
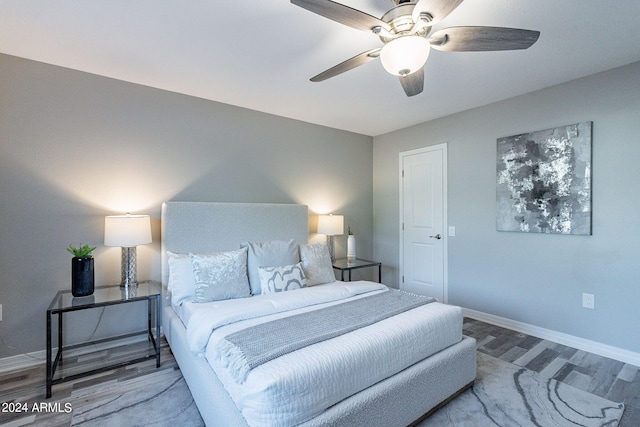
82	272
82	251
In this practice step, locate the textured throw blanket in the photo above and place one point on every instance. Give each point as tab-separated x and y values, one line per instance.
253	346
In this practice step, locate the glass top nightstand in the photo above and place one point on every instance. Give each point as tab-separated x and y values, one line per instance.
103	296
345	264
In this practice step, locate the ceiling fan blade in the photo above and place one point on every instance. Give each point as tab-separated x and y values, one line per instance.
347	65
470	39
413	83
438	9
343	14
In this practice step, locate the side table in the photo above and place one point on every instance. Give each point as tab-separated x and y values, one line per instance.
345	264
103	296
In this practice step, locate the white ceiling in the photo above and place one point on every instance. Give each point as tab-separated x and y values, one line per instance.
260	54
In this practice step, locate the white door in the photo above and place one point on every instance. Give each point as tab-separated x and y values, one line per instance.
423	221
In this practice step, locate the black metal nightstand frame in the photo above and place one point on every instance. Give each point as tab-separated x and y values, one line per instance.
345	264
103	296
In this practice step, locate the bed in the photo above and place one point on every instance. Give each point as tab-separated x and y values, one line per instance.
362	375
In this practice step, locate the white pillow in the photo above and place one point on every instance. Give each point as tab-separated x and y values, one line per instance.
316	263
181	283
282	279
220	275
273	253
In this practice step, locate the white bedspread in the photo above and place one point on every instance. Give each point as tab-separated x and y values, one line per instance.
298	386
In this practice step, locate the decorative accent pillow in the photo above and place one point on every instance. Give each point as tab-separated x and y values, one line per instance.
282	279
316	263
273	253
220	275
181	283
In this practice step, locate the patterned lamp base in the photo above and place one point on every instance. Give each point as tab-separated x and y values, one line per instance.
129	268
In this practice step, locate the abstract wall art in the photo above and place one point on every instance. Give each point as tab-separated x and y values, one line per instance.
544	181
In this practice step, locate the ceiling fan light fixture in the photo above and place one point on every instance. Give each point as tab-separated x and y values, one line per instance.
405	55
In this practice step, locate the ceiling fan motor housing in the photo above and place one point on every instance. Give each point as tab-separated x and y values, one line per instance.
400	20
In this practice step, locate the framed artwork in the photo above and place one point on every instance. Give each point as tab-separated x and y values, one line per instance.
544	181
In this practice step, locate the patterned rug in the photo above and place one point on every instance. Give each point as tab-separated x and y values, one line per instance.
507	395
161	398
504	395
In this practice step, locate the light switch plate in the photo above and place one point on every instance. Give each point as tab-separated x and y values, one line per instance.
452	230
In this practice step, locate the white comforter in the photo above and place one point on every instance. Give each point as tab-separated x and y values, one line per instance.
298	386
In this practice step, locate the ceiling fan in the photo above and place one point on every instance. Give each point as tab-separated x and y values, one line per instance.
406	31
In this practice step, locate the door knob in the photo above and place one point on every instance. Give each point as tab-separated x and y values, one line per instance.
437	236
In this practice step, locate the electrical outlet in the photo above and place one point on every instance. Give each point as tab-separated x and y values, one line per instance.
588	301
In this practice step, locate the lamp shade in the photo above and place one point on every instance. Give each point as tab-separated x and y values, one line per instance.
127	230
405	55
331	225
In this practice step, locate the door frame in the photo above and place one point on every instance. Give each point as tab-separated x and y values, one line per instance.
445	224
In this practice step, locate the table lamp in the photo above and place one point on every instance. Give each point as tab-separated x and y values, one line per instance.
331	225
127	231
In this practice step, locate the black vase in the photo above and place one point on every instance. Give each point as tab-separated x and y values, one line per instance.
82	277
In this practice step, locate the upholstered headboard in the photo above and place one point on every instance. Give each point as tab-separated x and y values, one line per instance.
211	226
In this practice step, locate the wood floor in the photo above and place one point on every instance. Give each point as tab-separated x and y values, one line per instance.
604	377
26	386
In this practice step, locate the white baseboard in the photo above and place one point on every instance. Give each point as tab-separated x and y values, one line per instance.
22	361
594	347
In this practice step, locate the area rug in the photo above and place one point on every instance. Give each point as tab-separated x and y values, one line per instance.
161	398
507	395
503	395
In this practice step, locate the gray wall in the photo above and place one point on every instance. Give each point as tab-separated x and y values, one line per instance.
537	279
75	147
